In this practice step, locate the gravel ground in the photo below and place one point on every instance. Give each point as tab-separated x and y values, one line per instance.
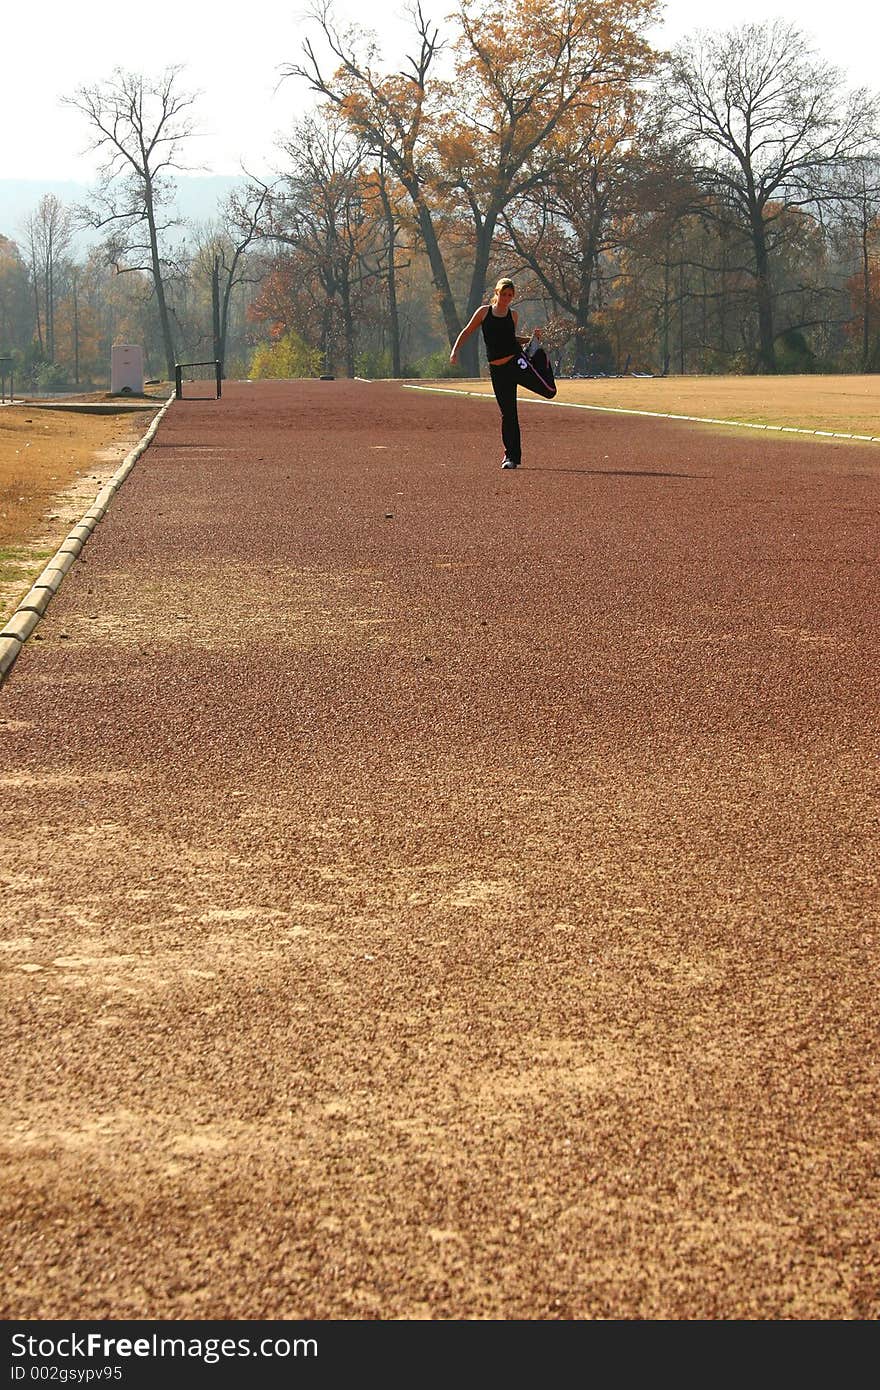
435	892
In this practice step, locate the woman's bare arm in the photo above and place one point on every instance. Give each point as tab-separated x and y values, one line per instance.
466	332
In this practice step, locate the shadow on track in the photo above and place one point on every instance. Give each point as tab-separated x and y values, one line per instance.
616	472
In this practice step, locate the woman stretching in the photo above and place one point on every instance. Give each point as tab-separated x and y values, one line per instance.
509	364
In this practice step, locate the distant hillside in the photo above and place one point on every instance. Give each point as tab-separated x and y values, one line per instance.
198	198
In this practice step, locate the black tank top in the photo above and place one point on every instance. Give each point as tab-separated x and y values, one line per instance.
499	335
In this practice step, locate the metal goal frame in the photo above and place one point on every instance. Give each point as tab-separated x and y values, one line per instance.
181	367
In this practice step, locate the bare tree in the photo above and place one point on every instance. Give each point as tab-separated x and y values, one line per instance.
141	127
766	121
321	211
49	231
222	253
391	113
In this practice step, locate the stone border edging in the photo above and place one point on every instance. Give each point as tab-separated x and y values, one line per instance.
34	604
653	414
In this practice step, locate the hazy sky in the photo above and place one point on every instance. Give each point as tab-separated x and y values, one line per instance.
51	47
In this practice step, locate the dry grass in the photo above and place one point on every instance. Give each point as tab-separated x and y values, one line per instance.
52	464
840	404
42	452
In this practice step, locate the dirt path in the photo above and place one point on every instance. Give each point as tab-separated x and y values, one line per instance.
436	892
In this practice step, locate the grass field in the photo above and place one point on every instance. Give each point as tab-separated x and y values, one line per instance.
845	404
45	455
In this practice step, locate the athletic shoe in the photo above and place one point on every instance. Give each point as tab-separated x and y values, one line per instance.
508	463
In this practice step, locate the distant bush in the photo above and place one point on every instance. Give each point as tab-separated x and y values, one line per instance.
436	364
291	356
378	365
50	376
593	351
793	353
373	364
236	366
714	362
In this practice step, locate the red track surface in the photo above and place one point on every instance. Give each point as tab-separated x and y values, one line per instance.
433	891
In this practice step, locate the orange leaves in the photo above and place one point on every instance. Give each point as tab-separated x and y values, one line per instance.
517	47
278	304
530	75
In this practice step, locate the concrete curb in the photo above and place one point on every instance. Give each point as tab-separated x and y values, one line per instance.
652	414
34	604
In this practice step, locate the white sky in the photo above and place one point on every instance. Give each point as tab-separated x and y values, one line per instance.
50	48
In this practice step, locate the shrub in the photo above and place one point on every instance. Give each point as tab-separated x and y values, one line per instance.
50	376
793	353
436	364
714	362
373	364
291	356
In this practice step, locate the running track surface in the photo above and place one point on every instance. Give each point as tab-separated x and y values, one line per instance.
438	892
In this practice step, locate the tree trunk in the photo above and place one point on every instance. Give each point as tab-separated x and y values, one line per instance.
158	283
763	295
722	301
451	319
485	235
347	322
327	336
393	316
681	350
664	332
75	335
582	317
215	311
866	298
224	323
50	306
38	321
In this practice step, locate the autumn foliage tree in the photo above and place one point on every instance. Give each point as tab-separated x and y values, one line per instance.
463	147
16	309
568	228
530	79
284	298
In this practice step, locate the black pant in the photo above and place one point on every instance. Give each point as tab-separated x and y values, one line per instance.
536	376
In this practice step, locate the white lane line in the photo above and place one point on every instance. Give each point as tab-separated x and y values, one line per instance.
650	414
